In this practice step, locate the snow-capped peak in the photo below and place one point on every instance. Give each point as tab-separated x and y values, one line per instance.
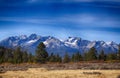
111	43
72	44
33	36
73	39
23	36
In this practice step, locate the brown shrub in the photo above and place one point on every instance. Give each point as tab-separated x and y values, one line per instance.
118	76
1	77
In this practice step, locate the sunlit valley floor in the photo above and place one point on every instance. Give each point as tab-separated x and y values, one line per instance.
70	70
44	73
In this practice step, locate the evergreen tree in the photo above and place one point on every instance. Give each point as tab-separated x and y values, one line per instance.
66	58
118	55
52	58
55	58
91	55
102	56
2	50
8	56
73	58
25	57
31	58
58	58
41	54
85	56
78	57
111	56
17	55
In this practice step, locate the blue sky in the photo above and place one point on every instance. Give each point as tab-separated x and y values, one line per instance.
88	19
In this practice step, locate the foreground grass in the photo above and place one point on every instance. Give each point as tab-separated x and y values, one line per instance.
44	73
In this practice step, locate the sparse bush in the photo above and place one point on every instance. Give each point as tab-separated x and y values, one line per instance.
1	77
118	76
92	73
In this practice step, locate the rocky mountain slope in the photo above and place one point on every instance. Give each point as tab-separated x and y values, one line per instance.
54	45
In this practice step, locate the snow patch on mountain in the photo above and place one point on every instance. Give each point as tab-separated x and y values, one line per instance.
31	41
71	45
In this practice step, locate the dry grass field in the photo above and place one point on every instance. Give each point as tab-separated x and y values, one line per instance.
44	73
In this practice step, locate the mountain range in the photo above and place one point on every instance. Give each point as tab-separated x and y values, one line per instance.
57	46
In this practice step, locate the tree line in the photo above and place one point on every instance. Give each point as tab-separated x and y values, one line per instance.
18	56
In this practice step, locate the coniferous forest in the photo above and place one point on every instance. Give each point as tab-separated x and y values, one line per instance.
17	56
